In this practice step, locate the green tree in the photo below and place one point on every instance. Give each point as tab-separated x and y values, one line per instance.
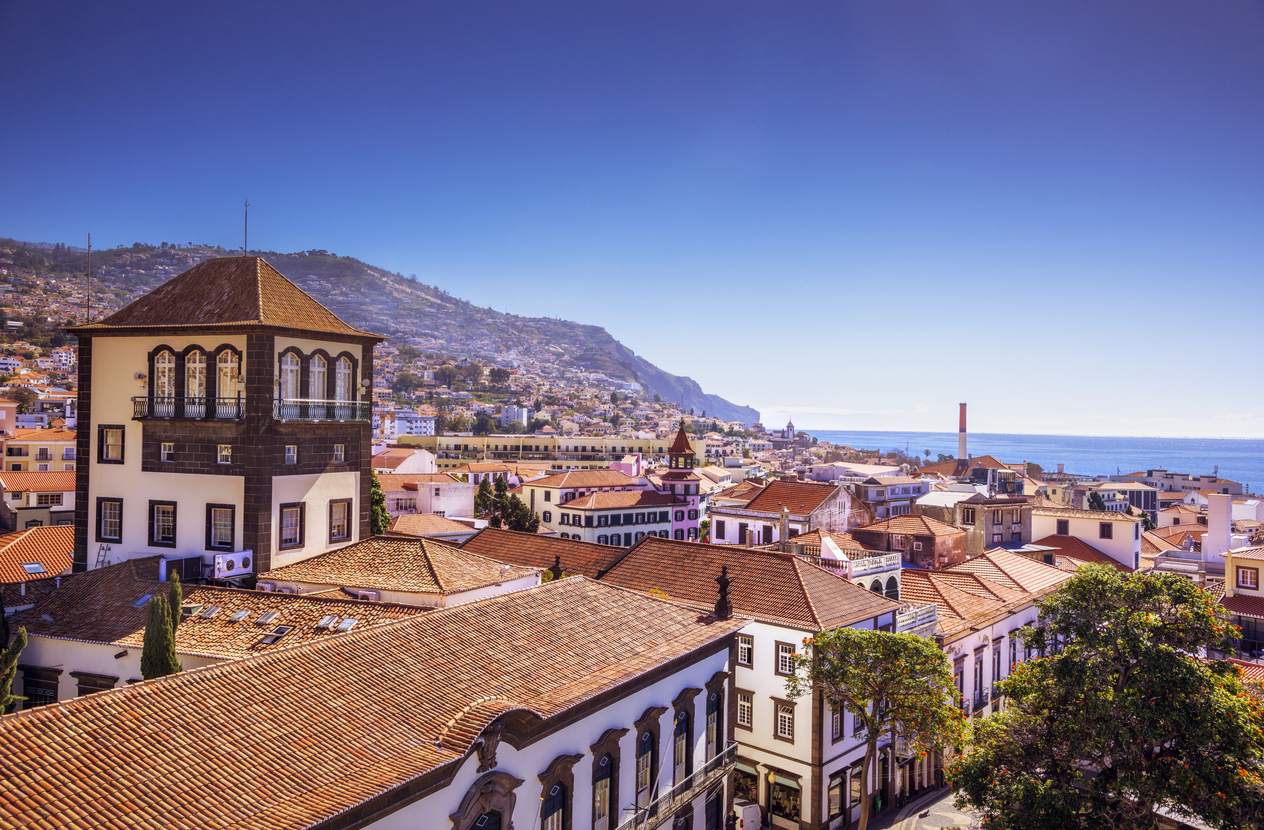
409	353
4	623
614	398
379	519
897	686
942	458
615	420
1121	717
158	649
175	599
483	424
405	382
499	488
497	376
9	669
1095	501
658	398
483	498
515	515
26	398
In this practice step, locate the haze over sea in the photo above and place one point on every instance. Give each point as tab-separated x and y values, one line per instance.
1240	459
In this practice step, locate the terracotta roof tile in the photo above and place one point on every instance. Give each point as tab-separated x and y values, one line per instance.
536	551
26	481
227	292
399	563
799	497
393	483
584	478
51	547
624	498
1255	552
1071	513
1080	551
913	525
426	524
681	445
1012	570
774	587
99	606
23	435
1244	606
292	738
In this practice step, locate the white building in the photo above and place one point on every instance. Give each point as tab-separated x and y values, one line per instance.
225	412
1115	534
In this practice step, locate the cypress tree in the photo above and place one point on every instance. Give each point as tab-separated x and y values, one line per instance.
379	519
4	623
158	652
175	599
9	670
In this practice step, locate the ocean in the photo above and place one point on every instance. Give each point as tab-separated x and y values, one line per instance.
1239	459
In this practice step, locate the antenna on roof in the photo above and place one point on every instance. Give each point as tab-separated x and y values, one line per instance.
245	230
88	315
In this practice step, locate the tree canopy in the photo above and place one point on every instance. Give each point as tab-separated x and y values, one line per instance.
379	518
897	686
1120	718
158	648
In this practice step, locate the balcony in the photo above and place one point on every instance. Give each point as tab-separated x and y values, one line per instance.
43	455
187	408
981	698
875	564
317	410
663	809
915	616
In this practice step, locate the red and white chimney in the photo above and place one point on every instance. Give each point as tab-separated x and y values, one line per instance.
961	434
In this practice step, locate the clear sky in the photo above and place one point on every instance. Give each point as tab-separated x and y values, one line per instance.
855	213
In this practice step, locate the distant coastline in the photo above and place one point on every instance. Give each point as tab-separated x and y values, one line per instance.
1239	459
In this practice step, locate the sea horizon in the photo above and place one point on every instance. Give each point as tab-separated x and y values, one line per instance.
1238	459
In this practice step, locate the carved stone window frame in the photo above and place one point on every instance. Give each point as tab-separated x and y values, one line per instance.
608	744
493	791
561	770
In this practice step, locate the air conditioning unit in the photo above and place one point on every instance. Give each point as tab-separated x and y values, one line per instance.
234	564
372	596
266	586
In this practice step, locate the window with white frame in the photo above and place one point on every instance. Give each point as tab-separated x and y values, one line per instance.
221	527
745	709
291	453
224	455
110	519
785	721
340	453
745	650
291	525
785	658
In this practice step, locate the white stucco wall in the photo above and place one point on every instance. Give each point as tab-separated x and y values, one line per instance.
316	491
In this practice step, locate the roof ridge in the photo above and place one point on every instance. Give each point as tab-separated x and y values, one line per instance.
258	287
807	595
428	558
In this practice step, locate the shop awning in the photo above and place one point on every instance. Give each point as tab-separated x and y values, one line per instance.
787	782
746	768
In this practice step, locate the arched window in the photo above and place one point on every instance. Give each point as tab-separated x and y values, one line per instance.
553	812
227	378
645	751
164	374
289	377
876	587
195	384
316	378
682	757
715	722
893	588
488	821
342	380
603	777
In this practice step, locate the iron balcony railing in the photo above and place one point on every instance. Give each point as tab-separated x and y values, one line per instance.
318	410
663	808
981	698
146	407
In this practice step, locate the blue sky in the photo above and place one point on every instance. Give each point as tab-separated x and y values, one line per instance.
859	214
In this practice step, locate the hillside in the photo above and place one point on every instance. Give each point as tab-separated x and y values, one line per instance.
404	310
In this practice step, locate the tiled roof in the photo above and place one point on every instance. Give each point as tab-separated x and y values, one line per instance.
227	292
843	540
681	445
426	524
963	599
624	498
1012	570
392	458
1244	606
49	546
1248	671
584	478
799	497
535	551
35	482
399	563
24	435
394	483
1071	513
1081	551
744	490
99	606
1255	553
483	467
913	525
295	737
774	587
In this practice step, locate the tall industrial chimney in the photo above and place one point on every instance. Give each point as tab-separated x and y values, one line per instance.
961	434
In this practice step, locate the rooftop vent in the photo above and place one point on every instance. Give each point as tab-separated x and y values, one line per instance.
267	617
239	616
211	612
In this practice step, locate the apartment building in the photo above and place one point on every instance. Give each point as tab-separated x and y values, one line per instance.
41	449
36	499
562	452
807	505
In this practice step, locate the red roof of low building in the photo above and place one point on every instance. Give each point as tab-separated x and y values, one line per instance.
1244	606
536	551
799	497
50	547
1080	551
31	481
912	525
